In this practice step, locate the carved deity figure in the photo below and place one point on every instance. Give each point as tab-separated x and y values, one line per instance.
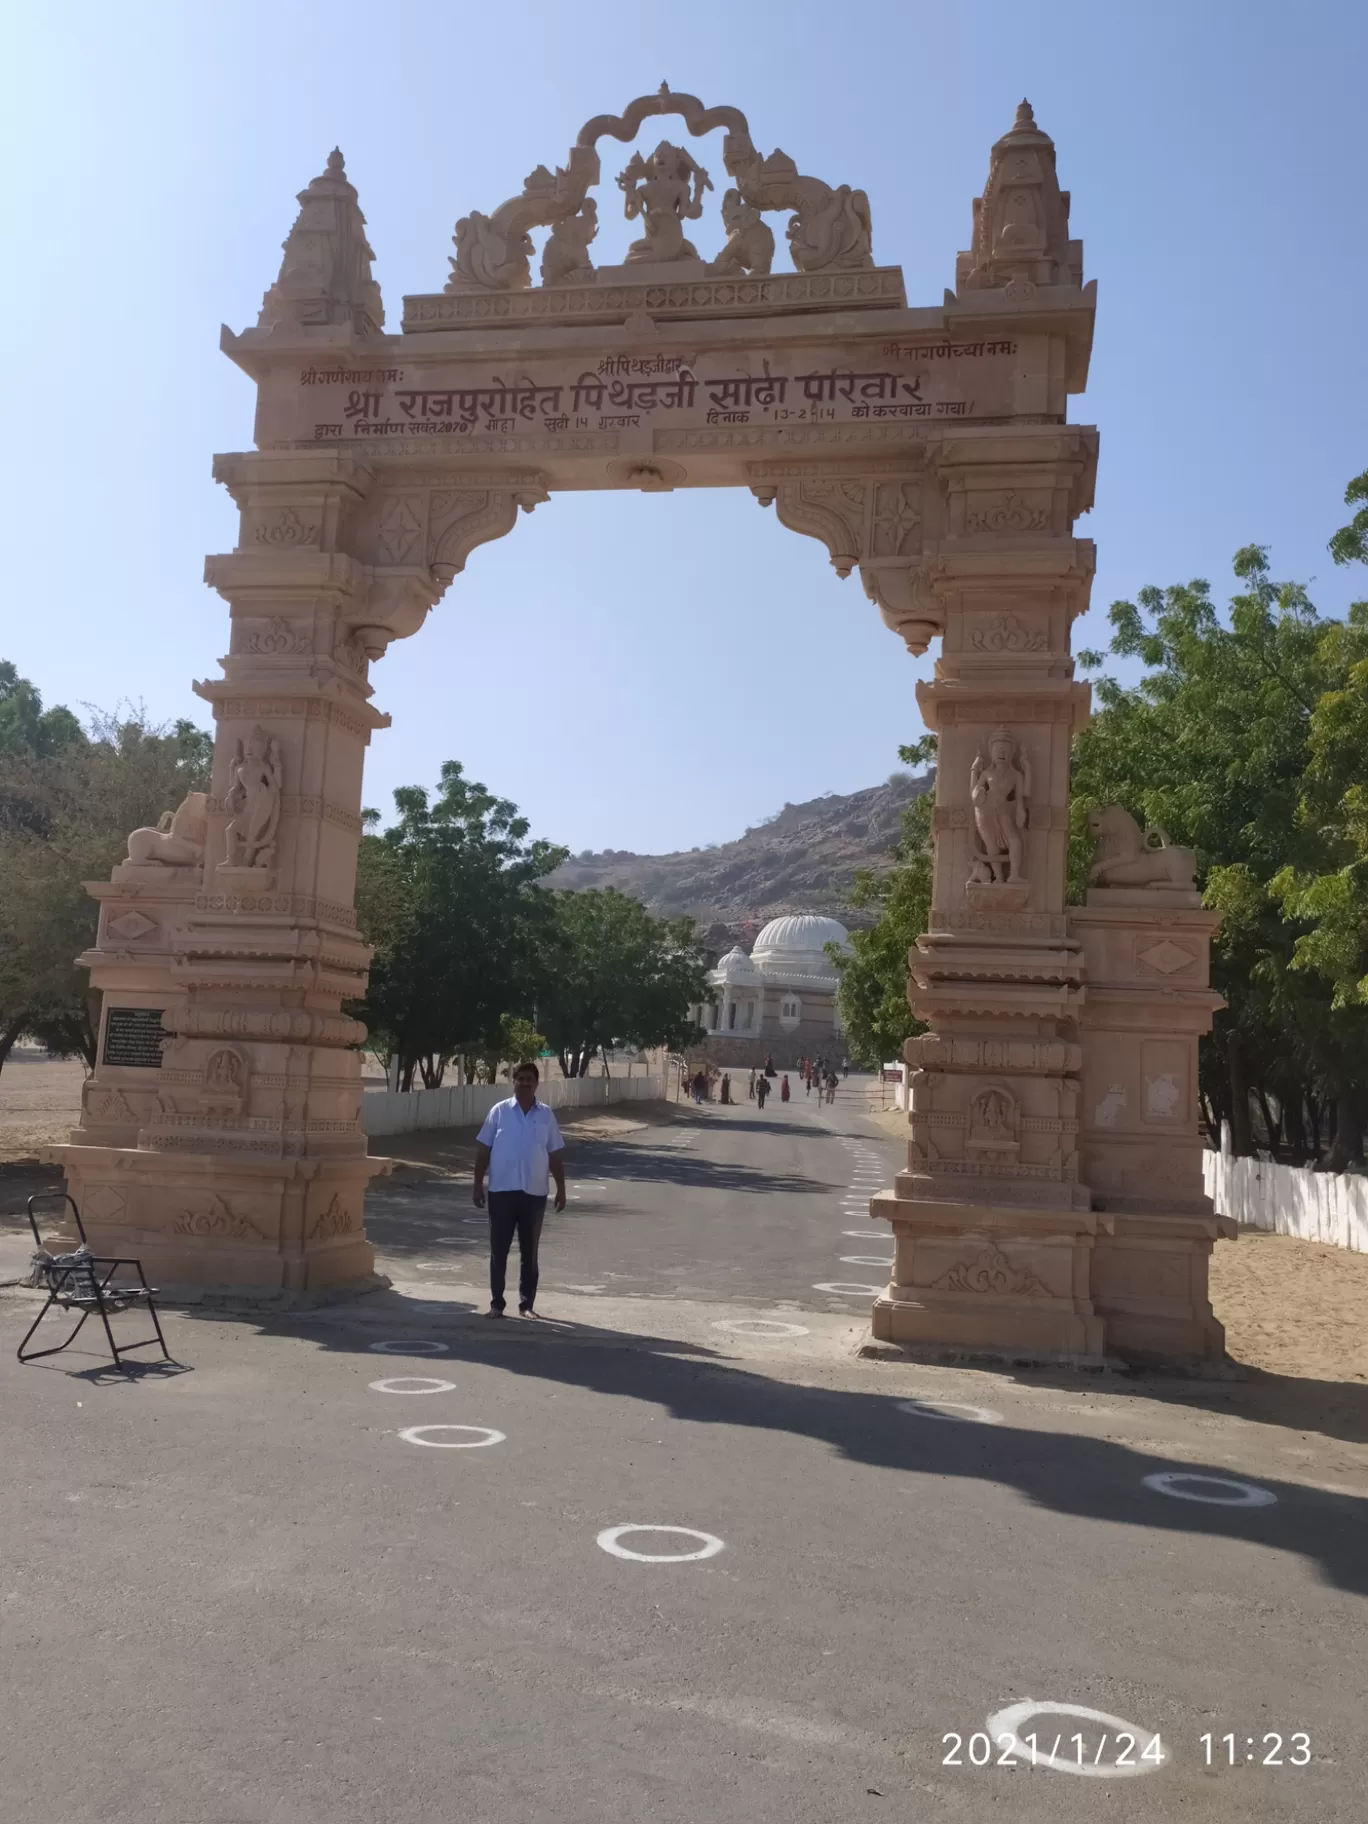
750	240
1130	857
253	799
834	231
488	257
223	1071
178	839
666	190
565	258
992	1111
999	788
225	1082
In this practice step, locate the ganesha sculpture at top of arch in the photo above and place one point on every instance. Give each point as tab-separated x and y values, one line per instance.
829	228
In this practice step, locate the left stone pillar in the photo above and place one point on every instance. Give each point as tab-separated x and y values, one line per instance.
220	1137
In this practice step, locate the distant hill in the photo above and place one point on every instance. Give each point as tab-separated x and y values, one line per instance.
803	859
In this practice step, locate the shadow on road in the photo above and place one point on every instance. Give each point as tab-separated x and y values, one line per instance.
1082	1477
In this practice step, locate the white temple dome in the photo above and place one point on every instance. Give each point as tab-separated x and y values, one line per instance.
799	942
734	966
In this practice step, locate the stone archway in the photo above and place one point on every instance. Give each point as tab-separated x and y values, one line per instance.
927	448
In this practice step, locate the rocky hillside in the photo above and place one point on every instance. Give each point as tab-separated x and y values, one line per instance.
801	860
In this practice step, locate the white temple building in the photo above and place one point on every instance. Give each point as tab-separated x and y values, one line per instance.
780	1001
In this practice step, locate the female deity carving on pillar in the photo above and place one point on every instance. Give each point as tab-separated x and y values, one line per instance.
254	802
658	188
998	790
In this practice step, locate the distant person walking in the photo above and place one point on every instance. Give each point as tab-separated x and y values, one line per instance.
784	1088
762	1089
831	1086
726	1087
519	1147
750	1087
700	1087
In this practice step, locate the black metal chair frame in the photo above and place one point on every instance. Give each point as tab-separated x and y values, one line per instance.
84	1282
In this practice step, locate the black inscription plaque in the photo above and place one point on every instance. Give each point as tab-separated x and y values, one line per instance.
134	1037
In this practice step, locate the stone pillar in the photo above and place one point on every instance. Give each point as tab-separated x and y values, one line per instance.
992	1221
237	1164
1146	956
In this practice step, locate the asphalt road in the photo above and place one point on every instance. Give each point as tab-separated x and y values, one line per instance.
727	1204
236	1593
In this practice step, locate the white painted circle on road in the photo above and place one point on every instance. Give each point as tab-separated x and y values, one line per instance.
866	1260
761	1326
484	1434
412	1383
418	1347
1007	1724
842	1288
956	1412
610	1541
1245	1494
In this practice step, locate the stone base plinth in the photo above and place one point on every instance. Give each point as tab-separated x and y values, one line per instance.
992	1280
269	1230
1149	1283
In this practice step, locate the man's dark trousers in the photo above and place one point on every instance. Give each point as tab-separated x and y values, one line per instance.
511	1211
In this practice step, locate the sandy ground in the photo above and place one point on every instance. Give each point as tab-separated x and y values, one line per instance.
1289	1307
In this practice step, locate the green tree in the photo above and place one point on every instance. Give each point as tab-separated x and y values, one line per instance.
1323	891
1216	744
67	804
873	993
1350	544
448	896
25	726
619	977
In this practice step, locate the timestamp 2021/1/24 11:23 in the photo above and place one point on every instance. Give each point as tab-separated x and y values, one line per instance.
1119	1750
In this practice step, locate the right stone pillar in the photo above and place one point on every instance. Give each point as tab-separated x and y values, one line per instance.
1052	1207
993	1223
1146	960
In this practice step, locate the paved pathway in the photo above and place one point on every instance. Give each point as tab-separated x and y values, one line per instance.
241	1594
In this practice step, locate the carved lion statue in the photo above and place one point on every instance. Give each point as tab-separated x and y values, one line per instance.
1130	857
179	838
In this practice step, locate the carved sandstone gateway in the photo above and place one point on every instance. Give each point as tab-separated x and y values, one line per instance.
1052	1201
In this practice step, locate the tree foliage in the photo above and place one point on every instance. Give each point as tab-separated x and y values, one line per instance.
475	959
618	976
1244	739
448	896
873	993
68	798
25	726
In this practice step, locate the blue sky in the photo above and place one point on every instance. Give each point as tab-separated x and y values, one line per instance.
680	664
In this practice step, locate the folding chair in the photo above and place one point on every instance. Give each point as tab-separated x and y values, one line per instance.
84	1282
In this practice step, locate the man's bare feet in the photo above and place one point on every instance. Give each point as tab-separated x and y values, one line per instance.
494	1311
526	1311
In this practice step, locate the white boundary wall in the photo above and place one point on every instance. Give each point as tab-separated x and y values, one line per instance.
389	1111
1290	1200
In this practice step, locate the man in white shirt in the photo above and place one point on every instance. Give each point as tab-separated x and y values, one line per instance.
520	1148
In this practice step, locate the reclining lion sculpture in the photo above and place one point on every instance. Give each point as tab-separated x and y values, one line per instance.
178	840
1129	857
